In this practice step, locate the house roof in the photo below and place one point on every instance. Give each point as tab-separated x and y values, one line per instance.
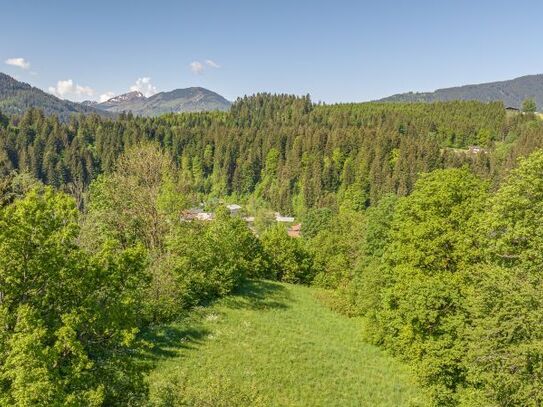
281	218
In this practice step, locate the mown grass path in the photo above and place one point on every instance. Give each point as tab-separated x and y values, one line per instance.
274	345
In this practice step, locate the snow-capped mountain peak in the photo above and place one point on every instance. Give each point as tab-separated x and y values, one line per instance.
125	97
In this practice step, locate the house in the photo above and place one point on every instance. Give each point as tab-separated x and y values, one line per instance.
190	214
285	219
233	208
205	216
476	150
195	214
295	230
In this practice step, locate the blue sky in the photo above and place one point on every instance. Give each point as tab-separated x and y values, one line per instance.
337	51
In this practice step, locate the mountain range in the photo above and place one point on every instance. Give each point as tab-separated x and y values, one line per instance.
178	100
16	97
511	92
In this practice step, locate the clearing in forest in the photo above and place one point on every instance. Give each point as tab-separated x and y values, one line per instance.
274	344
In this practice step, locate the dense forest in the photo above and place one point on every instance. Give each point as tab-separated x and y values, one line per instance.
326	154
421	219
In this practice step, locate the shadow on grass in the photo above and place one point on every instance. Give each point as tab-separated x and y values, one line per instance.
259	295
170	340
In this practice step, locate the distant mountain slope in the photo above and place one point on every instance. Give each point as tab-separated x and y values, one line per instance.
511	92
16	97
178	100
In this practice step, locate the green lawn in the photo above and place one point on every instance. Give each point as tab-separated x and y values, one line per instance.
274	345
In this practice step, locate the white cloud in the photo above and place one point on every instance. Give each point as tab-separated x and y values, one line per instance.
105	96
68	89
212	63
197	67
144	86
19	62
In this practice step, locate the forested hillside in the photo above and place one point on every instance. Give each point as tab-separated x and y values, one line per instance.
17	97
512	92
326	154
421	221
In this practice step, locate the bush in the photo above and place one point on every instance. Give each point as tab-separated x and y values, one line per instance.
212	259
336	250
290	261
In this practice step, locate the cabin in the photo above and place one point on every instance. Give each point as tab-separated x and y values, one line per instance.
283	219
205	216
195	214
234	209
190	214
476	150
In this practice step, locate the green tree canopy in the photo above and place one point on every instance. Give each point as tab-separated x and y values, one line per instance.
432	242
68	318
529	106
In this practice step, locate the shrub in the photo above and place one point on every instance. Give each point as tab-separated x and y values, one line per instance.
290	261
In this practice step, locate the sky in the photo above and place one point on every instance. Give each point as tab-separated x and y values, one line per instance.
336	51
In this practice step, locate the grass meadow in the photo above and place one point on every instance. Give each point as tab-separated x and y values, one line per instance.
274	344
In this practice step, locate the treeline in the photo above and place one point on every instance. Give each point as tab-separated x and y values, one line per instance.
281	149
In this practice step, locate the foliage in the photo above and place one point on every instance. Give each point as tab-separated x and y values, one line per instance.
396	219
290	260
141	202
17	97
315	220
510	92
529	106
336	249
432	242
504	342
133	203
280	148
69	318
264	219
15	186
513	224
212	259
371	276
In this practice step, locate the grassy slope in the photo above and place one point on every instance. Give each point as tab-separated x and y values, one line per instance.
275	345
